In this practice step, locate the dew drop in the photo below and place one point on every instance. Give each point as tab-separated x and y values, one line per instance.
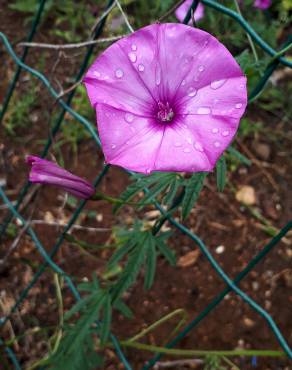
216	101
238	105
192	92
217	144
97	74
183	82
148	170
187	150
119	73
241	86
158	75
201	68
177	144
215	130
113	146
127	142
134	47
129	117
189	140
225	133
141	67
217	84
133	57
204	110
198	146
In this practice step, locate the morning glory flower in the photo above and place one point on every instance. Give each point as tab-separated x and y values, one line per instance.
47	172
168	97
262	4
182	11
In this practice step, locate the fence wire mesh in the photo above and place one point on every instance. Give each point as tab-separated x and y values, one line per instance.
277	58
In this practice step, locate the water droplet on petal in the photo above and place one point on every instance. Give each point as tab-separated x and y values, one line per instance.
215	130
192	92
141	67
189	140
127	142
133	57
217	144
204	110
177	144
225	133
183	82
119	73
148	170
241	86
187	150
129	117
198	146
216	101
217	84
97	74
201	68
238	105
134	47
158	75
113	146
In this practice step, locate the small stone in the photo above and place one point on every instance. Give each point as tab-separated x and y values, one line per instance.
220	249
262	150
249	323
246	195
188	259
255	286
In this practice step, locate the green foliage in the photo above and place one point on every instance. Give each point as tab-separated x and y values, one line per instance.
221	173
213	363
141	248
20	113
193	187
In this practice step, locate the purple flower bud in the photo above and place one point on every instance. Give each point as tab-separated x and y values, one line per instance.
47	172
262	4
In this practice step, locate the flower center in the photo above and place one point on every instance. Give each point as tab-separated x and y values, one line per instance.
165	112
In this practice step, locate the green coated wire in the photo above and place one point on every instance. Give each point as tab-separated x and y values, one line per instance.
56	268
61	116
231	285
23	57
244	24
12	356
253	304
254	261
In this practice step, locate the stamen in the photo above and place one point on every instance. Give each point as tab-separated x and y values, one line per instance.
165	112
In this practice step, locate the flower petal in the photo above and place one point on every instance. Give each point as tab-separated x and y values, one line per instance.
128	140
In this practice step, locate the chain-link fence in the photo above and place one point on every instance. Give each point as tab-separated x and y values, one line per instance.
277	58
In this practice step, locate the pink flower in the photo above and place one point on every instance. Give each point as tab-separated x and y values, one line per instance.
168	97
46	172
262	4
182	11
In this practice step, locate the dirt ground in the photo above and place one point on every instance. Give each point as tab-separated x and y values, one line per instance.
232	232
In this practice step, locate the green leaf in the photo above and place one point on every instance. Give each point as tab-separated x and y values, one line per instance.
131	270
193	187
173	187
124	309
242	158
166	252
221	173
150	264
120	253
106	320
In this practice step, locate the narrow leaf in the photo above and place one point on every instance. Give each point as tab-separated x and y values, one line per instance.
150	264
221	173
193	188
106	320
166	252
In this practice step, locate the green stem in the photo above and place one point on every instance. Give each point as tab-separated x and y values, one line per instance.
201	353
165	318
